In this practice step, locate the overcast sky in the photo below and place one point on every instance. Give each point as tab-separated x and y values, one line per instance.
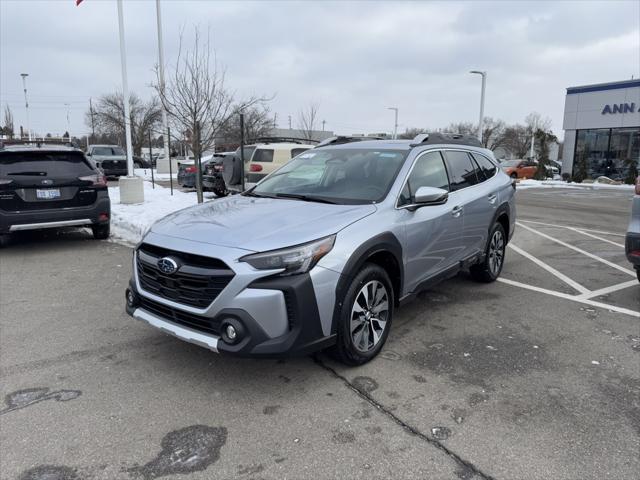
354	59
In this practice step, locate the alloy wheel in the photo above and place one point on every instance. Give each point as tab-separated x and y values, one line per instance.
496	252
369	316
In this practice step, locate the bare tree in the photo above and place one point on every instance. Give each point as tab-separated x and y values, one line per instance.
8	122
307	118
195	94
410	133
258	122
108	116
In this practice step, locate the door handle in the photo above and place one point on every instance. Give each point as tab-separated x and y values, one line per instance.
492	198
457	211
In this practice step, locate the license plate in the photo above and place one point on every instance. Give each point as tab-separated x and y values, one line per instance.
48	194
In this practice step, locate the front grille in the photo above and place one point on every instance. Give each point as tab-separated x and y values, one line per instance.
198	281
195	322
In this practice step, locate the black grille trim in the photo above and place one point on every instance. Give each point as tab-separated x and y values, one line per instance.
198	281
189	320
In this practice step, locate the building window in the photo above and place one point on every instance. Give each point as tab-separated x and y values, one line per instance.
606	152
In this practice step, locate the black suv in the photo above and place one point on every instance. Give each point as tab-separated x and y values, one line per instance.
45	186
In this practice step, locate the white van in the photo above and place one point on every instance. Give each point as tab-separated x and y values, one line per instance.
268	157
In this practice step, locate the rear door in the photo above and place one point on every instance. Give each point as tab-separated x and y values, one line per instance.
432	233
473	195
261	164
40	180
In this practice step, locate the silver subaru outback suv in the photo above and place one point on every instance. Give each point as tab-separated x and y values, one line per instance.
321	252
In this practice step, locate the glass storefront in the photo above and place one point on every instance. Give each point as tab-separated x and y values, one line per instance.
609	152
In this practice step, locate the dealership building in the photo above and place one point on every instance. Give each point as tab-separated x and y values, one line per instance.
602	129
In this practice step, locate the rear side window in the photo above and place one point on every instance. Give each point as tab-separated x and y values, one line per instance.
49	164
262	155
486	165
297	151
463	172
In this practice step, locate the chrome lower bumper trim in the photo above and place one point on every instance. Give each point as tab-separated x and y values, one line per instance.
63	223
186	334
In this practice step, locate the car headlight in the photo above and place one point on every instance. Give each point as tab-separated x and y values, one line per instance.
294	260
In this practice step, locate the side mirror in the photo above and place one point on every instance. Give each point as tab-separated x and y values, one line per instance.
429	196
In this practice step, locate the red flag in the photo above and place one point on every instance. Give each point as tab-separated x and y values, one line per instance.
78	2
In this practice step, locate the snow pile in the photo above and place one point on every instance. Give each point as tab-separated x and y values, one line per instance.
525	184
130	222
145	173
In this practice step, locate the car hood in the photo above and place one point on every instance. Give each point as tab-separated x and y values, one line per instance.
259	224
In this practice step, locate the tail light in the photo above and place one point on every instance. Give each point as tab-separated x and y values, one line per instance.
97	180
255	167
191	169
638	186
218	167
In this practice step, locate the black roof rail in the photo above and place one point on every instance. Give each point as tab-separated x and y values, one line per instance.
281	140
37	142
340	139
438	137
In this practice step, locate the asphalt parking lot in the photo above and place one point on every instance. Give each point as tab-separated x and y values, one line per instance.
536	376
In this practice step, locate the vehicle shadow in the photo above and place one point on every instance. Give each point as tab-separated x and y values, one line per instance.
48	237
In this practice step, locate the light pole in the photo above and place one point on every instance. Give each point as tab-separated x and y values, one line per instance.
395	124
165	122
68	105
131	187
484	84
26	102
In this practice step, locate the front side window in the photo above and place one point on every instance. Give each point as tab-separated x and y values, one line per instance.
462	170
336	175
428	171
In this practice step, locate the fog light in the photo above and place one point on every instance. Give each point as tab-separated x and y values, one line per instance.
231	332
132	300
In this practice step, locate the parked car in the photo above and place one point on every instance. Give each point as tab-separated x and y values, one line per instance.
187	171
213	178
632	241
139	162
112	159
268	157
519	168
51	186
322	251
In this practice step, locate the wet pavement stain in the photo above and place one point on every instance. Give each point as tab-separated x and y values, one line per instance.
190	449
477	399
475	360
419	378
364	384
271	409
50	472
250	469
343	437
30	396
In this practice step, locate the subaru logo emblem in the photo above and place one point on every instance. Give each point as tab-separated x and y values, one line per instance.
167	265
47	182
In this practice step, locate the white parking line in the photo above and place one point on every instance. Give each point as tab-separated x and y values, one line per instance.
621	245
611	289
579	250
578	228
573	298
572	283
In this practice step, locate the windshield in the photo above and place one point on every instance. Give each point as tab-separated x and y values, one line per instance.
510	163
345	176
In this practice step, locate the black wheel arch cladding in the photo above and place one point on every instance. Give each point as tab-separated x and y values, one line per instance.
385	243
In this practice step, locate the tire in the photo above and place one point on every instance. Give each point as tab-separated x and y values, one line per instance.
358	345
5	239
220	189
101	232
137	165
637	273
490	268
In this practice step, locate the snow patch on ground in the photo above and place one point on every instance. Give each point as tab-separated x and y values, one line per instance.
525	184
130	222
145	173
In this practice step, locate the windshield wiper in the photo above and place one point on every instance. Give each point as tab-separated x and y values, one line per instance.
306	198
39	174
251	194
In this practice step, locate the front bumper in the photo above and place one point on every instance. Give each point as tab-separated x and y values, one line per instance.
275	316
62	217
632	248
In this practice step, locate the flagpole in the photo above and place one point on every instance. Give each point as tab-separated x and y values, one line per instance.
165	122
131	187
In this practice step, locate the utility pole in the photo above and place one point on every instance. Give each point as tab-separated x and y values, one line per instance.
484	84
275	120
533	139
395	125
323	122
289	122
68	105
26	101
165	121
